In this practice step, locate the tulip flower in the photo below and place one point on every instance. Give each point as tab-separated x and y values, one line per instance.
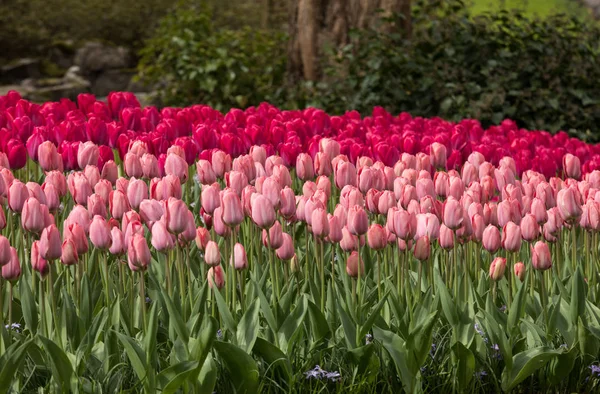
571	166
69	253
497	268
376	237
453	214
320	223
138	253
446	237
118	241
286	250
12	270
519	269
511	237
17	195
50	246
422	248
215	277
239	260
100	233
88	154
5	256
38	263
274	238
568	204
358	222
530	229
137	191
32	218
263	213
212	257
491	239
210	198
352	265
541	258
161	238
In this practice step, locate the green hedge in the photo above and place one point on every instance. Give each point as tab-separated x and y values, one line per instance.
544	74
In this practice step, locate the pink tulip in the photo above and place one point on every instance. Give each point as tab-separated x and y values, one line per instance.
48	157
206	175
212	257
12	270
177	166
335	229
422	248
133	166
221	163
541	259
100	233
272	190
202	238
274	238
69	253
427	225
322	164
239	259
304	167
511	237
497	268
352	265
259	154
288	203
5	256
263	213
88	154
233	213
161	238
118	241
50	243
376	237
320	223
138	253
97	206
286	250
118	204
215	277
568	204
149	164
137	190
571	166
79	187
358	222
519	269
175	215
438	155
210	198
530	229
110	172
446	237
17	195
38	263
491	239
453	213
349	241
345	174
32	218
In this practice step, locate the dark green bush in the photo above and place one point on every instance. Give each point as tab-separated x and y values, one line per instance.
194	62
544	74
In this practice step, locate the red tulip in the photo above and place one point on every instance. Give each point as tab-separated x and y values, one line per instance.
17	154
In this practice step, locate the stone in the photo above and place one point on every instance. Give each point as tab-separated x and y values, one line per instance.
20	69
111	81
95	57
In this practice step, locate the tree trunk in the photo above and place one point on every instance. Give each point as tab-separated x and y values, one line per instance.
316	24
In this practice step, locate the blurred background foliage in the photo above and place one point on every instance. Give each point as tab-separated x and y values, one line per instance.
536	64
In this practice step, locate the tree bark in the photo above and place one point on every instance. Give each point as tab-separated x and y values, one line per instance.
316	24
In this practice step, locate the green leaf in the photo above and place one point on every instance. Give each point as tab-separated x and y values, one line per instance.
349	328
150	336
30	312
176	319
274	357
62	369
292	326
11	361
172	378
242	368
420	338
577	296
371	319
464	362
396	348
448	305
207	377
136	356
226	315
525	363
517	308
318	323
561	366
247	329
266	308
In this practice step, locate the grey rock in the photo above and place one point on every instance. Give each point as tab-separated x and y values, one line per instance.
20	69
110	81
95	57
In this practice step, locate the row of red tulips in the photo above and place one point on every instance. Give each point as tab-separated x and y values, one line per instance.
199	130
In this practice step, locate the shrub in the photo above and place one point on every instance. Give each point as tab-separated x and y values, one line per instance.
194	62
542	73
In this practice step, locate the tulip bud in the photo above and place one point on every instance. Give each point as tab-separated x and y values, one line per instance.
239	259
38	263
511	237
497	268
422	248
571	166
304	167
446	237
520	272
138	253
286	250
48	157
12	270
118	241
69	253
88	154
177	166
358	222
352	265
175	215
345	174
4	251
32	218
17	195
453	213
335	229
263	213
233	213
274	238
133	166
376	237
438	155
212	256
541	258
100	233
530	229
206	175
320	223
491	239
568	204
202	238
215	277
50	243
137	190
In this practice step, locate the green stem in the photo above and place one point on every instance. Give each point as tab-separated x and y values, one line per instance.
322	273
544	299
234	276
143	301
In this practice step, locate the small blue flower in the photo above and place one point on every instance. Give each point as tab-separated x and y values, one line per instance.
319	373
497	353
333	376
433	349
219	334
595	370
503	308
368	339
148	300
480	375
14	326
481	332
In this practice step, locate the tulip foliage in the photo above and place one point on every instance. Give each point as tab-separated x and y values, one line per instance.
185	250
